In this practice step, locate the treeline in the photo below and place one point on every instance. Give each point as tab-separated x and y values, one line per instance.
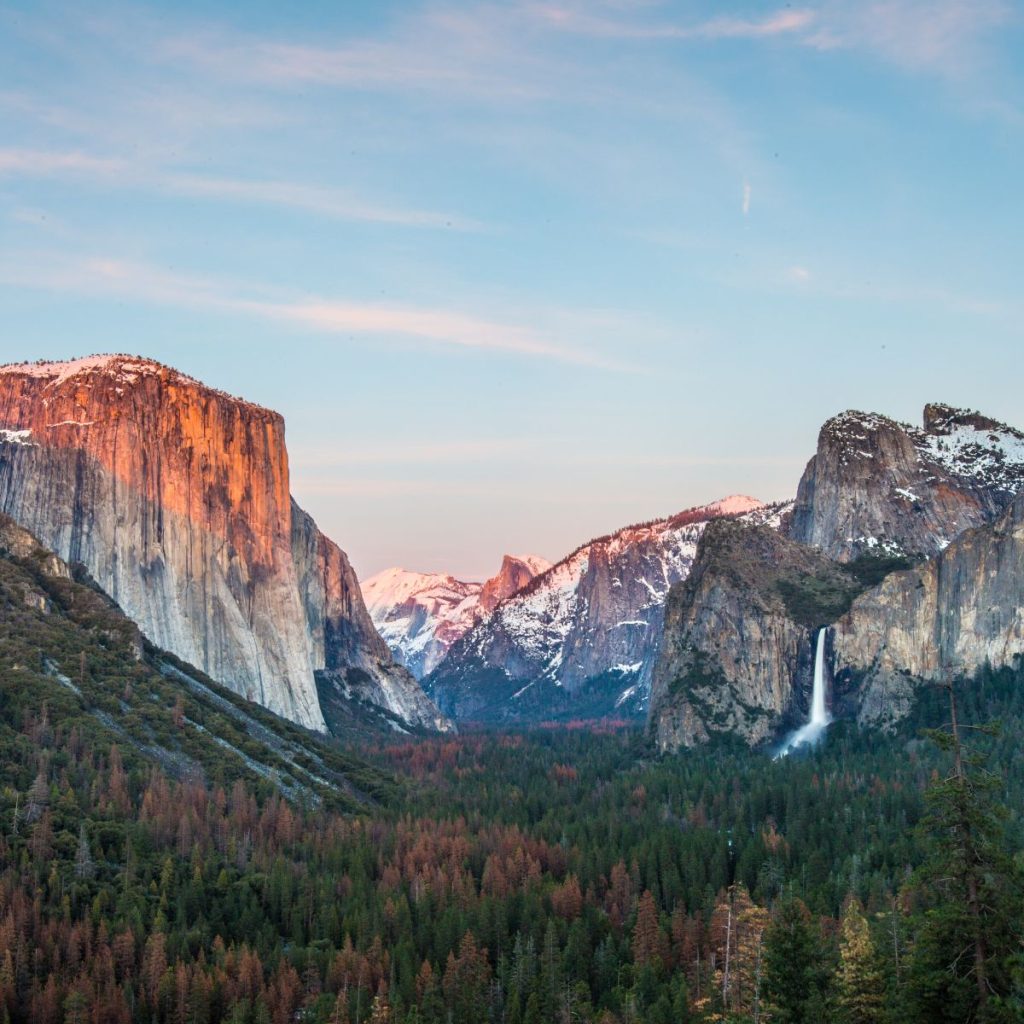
522	878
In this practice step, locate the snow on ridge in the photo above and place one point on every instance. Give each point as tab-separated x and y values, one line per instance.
122	367
392	587
420	615
995	456
735	504
56	372
550	623
962	443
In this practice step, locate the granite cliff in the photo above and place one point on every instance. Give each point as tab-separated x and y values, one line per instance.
904	541
175	497
736	657
875	483
950	616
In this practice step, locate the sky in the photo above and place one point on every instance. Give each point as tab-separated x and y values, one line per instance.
520	273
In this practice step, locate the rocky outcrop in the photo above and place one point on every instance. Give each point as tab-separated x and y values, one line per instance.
515	572
582	637
948	617
736	656
175	497
876	484
350	656
421	615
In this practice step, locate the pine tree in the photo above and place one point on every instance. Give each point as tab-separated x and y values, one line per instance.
861	988
790	955
973	922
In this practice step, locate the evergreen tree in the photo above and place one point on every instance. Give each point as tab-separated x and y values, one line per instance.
971	887
791	955
861	988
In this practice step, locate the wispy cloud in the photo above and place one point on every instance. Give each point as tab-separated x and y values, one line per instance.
582	21
114	171
444	328
475	54
939	36
323	201
746	198
46	163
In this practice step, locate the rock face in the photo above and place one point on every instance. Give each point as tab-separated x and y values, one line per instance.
736	657
582	637
420	615
515	572
948	617
175	497
875	483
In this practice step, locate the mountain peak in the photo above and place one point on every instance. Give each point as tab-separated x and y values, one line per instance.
735	504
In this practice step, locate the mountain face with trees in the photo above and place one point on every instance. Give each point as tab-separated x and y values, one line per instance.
737	655
176	499
904	543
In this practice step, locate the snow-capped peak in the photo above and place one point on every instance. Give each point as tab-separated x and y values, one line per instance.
421	614
535	563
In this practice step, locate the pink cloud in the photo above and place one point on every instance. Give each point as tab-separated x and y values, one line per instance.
439	327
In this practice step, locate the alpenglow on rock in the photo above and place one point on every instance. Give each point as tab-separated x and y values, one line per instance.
879	484
580	639
176	499
421	614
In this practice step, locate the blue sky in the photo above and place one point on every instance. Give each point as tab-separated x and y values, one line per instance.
519	273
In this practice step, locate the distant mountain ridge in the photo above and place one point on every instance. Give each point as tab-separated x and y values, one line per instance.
175	497
420	615
583	635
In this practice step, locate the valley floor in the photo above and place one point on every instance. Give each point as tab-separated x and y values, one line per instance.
531	877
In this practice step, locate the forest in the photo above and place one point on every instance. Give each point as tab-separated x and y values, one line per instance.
551	875
170	854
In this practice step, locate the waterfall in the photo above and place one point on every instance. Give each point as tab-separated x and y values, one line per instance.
816	725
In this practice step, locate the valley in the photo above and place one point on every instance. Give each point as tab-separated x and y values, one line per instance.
583	814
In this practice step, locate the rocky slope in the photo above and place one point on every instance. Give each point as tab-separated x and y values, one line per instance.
420	615
72	661
950	616
878	483
581	638
175	497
